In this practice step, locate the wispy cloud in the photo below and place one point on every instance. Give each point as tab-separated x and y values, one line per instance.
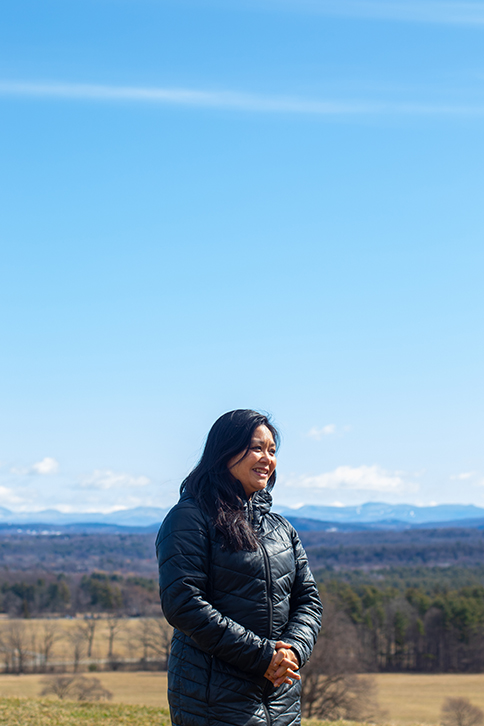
423	11
9	498
318	434
48	465
230	100
107	479
364	478
465	475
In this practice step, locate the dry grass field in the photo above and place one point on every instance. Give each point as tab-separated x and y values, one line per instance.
140	688
407	699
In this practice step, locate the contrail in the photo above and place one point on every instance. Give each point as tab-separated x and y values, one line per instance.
228	100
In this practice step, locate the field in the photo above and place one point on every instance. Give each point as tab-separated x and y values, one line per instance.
26	712
407	699
22	712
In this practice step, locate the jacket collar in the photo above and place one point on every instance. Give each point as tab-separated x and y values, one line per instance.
258	506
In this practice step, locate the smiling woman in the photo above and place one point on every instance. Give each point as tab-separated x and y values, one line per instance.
257	464
236	586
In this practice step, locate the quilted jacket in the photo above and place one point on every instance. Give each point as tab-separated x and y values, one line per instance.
228	609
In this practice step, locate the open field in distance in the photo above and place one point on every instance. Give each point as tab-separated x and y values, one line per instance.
407	699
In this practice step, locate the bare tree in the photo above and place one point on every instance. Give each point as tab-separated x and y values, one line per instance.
88	628
16	645
158	633
331	688
91	689
153	638
461	712
77	638
60	686
79	687
115	626
163	633
144	638
48	635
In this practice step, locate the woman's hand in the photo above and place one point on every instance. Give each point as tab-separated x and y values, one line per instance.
283	666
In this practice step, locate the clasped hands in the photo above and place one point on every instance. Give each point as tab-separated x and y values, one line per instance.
283	666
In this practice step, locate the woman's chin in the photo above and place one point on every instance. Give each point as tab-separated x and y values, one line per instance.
258	486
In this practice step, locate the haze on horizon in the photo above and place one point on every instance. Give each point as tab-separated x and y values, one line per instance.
272	205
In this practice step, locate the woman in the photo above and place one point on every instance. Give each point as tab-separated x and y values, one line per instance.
236	586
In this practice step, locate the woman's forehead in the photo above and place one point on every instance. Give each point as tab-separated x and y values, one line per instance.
262	435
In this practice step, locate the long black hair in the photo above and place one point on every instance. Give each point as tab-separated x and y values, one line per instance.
217	492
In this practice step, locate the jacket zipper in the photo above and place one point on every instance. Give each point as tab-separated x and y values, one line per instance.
269	600
250	514
269	585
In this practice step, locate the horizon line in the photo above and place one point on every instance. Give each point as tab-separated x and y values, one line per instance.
118	509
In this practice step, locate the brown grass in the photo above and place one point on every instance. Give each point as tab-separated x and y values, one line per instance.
141	688
407	699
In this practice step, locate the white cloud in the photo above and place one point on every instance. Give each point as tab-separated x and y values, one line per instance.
231	100
9	498
423	11
317	434
107	479
465	475
366	478
48	465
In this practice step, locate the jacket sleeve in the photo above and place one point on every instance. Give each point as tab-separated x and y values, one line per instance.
183	551
306	611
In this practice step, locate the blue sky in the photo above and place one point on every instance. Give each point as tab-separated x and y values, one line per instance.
214	205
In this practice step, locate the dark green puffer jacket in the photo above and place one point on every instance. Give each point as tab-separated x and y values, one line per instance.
228	609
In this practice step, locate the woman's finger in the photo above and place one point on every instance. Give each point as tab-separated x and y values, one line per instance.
281	644
286	678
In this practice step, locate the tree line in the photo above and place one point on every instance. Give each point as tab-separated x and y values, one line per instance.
124	553
406	622
411	630
89	643
33	594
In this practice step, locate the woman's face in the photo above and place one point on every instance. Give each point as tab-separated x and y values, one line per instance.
254	468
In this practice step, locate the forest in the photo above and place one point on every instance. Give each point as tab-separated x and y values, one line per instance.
400	601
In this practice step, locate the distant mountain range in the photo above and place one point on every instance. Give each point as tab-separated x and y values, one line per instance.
374	512
138	517
373	515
